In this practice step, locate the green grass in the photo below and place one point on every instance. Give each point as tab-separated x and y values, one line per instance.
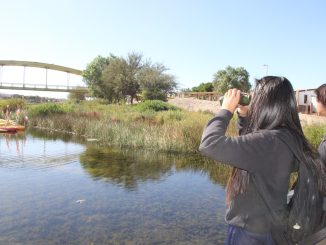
136	126
155	105
170	129
315	134
13	103
47	109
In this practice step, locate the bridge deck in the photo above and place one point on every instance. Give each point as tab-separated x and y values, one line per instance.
42	87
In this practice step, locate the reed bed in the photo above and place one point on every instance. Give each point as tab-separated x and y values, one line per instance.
127	126
169	129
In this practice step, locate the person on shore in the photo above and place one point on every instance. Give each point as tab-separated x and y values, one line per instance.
7	114
271	146
18	111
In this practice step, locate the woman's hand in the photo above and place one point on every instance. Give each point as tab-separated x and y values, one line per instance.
231	100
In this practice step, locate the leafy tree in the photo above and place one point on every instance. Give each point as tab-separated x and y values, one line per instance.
231	78
118	78
122	75
92	76
155	83
204	87
185	90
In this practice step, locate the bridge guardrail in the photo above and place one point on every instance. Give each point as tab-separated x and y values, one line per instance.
41	86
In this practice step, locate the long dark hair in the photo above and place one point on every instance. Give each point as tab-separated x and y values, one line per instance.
274	106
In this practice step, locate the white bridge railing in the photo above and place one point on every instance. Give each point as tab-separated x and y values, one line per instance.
43	87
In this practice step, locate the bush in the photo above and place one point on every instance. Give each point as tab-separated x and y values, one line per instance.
13	103
49	108
154	95
155	105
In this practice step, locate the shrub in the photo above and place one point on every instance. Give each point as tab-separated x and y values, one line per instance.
49	108
13	103
155	105
154	95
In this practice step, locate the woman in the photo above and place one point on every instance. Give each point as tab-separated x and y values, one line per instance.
271	146
321	111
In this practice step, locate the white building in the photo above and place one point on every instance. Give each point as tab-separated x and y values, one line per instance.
306	100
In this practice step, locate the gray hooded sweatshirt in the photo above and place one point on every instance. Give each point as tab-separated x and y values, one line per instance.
268	157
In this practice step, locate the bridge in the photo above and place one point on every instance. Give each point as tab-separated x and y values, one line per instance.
41	87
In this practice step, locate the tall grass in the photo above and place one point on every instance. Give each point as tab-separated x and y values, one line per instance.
315	134
136	126
47	109
13	104
125	126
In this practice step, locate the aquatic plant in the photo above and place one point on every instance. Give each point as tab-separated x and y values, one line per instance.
126	126
155	105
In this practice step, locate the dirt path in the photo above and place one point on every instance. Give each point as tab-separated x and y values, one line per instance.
192	104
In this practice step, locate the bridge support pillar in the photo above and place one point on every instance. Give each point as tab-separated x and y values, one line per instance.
68	78
46	77
1	71
24	76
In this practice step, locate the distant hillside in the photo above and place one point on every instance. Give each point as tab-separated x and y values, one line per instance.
4	96
32	98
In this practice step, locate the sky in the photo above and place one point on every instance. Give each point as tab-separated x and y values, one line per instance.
194	39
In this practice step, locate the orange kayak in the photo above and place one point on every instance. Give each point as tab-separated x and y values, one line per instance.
19	127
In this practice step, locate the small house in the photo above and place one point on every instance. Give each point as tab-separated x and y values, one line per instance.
306	100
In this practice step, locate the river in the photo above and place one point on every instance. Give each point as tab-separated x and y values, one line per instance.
56	190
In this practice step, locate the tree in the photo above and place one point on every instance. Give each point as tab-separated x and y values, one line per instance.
185	90
122	75
231	78
118	78
155	83
204	87
92	76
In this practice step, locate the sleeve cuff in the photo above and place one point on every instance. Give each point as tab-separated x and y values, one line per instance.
224	113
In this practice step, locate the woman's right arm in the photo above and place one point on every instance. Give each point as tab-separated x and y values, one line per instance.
247	152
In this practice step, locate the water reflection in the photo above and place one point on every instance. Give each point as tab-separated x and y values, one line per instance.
127	168
129	197
18	150
15	141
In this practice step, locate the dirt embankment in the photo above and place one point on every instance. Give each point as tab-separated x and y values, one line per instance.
192	104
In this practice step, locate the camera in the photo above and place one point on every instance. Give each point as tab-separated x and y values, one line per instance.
244	99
